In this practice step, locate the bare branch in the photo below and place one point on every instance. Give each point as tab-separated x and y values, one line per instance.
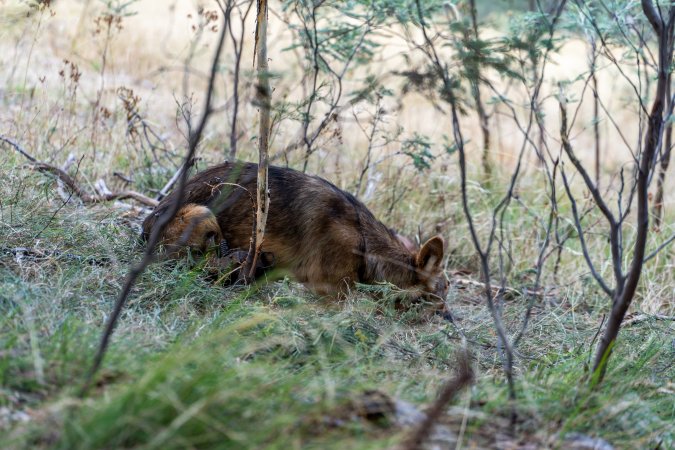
564	137
163	219
614	227
238	46
665	244
18	148
582	240
74	186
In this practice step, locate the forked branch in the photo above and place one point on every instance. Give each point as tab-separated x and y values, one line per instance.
626	285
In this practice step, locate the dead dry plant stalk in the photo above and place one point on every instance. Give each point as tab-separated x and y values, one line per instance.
483	118
666	150
593	63
263	98
109	21
166	217
237	48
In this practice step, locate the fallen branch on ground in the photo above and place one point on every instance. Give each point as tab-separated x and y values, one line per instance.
469	283
73	185
37	254
645	317
462	379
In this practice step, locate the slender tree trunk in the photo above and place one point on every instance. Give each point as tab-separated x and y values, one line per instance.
538	117
665	162
596	123
233	129
263	98
238	45
480	108
487	164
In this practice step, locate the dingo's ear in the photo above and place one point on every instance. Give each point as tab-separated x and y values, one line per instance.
431	254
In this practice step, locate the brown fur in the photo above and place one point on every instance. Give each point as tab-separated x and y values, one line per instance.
194	227
323	235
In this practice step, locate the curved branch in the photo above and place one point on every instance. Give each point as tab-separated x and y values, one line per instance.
582	240
73	185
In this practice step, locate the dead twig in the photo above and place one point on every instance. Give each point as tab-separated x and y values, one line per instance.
665	244
645	317
463	378
18	148
37	254
169	185
467	282
70	182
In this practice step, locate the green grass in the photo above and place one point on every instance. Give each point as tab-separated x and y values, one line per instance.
194	365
